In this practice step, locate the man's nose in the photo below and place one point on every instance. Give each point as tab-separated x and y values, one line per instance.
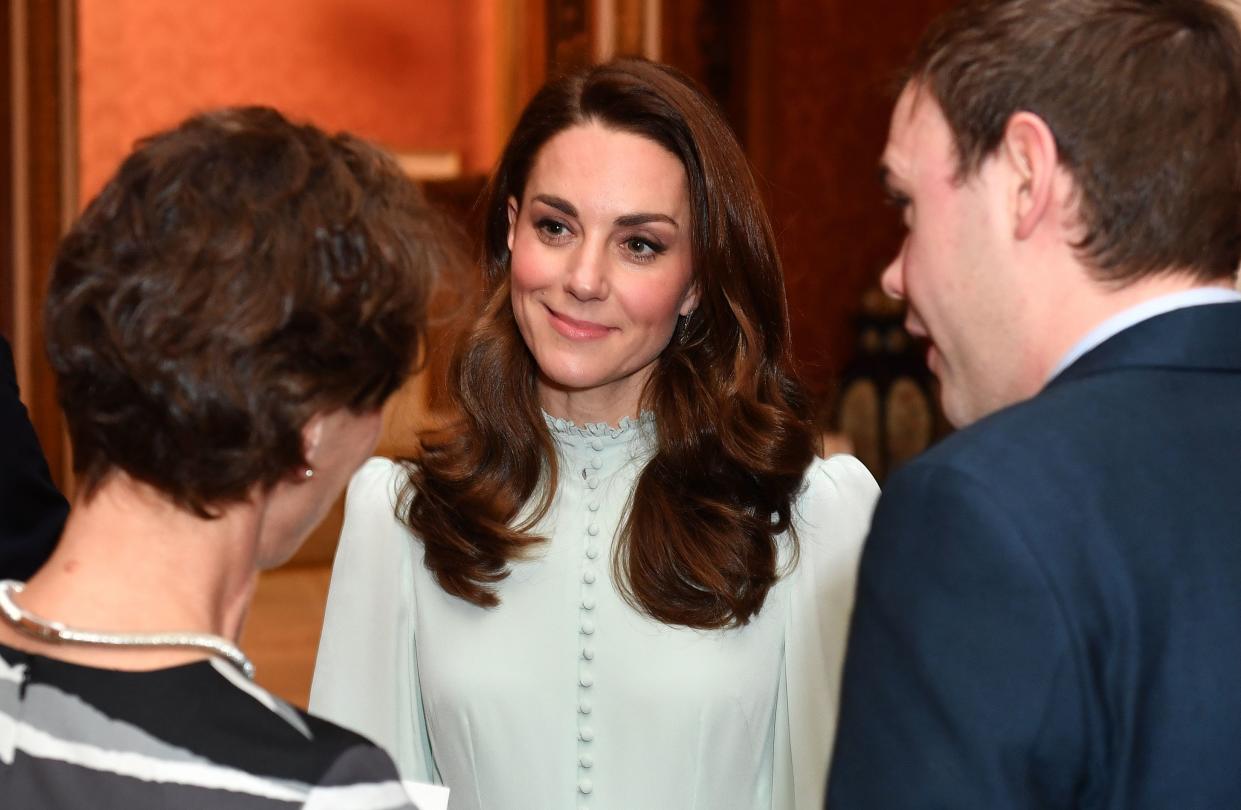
893	279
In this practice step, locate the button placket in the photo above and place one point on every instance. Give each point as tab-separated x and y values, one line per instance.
587	628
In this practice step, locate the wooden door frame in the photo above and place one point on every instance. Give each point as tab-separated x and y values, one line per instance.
38	187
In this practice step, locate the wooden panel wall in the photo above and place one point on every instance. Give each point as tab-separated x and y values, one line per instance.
425	76
809	86
821	90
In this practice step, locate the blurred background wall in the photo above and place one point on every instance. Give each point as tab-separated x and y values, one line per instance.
423	76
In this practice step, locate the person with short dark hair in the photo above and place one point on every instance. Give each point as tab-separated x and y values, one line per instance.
1048	605
32	510
620	578
225	320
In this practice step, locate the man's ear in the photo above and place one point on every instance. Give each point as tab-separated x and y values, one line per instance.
512	221
1029	150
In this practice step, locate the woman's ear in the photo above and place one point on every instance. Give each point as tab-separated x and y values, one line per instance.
512	221
312	437
690	302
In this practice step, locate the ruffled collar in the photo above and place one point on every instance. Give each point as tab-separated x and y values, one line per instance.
627	428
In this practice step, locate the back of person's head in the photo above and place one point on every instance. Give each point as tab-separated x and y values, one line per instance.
239	274
1144	100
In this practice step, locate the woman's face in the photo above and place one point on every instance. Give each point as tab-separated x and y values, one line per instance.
601	266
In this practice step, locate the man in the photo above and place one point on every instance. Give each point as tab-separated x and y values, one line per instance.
1049	604
32	511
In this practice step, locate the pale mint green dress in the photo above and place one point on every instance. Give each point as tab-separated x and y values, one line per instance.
564	697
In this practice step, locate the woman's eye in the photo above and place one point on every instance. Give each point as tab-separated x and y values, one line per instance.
551	229
641	248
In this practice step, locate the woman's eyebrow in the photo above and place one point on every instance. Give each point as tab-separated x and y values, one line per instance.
559	203
631	220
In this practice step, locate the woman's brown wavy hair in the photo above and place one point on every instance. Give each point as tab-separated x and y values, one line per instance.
699	546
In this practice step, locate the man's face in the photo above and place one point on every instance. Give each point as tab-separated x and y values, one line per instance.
955	269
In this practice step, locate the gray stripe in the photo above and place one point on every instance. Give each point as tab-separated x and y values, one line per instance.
69	718
46	785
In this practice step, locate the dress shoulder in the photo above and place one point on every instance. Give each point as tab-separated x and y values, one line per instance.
371	525
377	484
836	502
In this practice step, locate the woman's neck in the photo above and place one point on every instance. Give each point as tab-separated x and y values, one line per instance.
130	561
605	404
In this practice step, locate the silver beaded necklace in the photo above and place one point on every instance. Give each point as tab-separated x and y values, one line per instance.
57	633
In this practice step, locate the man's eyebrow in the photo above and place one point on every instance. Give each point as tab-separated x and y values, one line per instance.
559	203
632	220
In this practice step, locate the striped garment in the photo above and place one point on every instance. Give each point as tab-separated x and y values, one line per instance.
192	736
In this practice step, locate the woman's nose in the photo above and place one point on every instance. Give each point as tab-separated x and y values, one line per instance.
587	277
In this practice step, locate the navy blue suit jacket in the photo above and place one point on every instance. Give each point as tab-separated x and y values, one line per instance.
32	510
1049	604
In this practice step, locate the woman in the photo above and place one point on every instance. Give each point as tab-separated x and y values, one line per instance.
622	580
225	321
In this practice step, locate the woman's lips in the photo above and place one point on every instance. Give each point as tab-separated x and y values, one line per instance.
575	329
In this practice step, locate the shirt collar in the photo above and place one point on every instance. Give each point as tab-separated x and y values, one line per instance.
1141	312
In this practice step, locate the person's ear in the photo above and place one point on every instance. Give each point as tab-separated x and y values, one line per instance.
312	438
1029	152
512	221
690	302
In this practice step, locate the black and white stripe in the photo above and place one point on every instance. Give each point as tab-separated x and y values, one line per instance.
197	735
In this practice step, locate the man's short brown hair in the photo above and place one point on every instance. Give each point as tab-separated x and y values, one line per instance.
238	274
1144	100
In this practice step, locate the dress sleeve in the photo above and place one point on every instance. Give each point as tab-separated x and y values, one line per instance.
833	514
960	688
366	673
